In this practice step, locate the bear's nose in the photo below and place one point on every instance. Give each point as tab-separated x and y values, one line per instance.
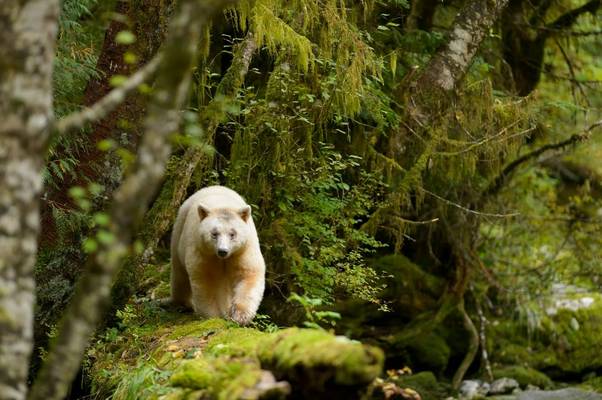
222	253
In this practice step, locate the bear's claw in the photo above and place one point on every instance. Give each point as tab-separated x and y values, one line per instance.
240	315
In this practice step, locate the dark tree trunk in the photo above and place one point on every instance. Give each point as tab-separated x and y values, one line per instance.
421	14
148	22
524	34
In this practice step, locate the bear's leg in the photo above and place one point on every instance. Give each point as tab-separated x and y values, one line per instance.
248	292
204	301
180	283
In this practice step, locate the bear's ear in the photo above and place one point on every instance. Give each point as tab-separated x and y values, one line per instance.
245	213
203	211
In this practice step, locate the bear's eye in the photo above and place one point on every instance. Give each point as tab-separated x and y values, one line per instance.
214	235
232	235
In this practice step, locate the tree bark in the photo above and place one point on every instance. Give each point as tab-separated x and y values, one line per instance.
147	21
473	346
447	68
130	199
27	41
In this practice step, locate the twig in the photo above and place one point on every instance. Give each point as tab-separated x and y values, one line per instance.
499	181
569	64
109	102
411	222
468	210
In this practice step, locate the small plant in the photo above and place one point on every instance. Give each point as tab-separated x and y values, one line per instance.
264	323
314	316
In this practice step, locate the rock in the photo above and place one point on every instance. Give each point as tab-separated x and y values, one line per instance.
532	387
503	386
563	394
523	375
471	389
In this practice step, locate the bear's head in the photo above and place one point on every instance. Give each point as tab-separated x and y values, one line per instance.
224	231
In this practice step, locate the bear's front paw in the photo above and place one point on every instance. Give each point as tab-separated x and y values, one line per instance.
240	314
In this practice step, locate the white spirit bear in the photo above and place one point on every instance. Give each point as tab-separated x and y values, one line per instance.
216	264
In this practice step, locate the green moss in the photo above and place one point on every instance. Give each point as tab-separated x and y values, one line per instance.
200	327
562	342
235	342
301	353
177	355
524	376
593	384
430	351
185	394
411	289
575	333
425	384
224	378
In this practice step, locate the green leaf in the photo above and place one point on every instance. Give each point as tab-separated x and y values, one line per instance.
105	145
90	245
138	247
125	37
77	192
101	219
130	58
117	80
105	237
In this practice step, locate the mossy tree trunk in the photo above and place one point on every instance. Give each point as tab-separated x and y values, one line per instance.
27	45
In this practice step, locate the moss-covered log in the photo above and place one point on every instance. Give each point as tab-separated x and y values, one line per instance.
180	356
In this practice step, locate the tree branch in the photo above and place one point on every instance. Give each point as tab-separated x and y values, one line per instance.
568	19
130	199
470	27
501	179
108	103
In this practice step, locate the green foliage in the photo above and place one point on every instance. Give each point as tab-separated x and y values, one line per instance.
314	316
314	218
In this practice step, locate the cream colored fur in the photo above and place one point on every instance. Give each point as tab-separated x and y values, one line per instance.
217	218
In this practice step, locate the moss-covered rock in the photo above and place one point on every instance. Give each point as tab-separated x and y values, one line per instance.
430	351
562	343
316	357
524	376
223	378
180	356
425	383
411	289
593	383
